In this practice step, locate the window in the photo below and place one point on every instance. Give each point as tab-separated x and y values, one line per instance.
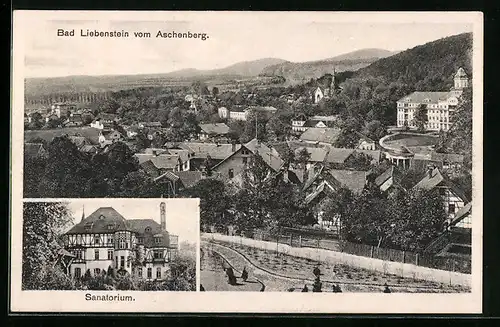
96	254
245	160
150	272
122	261
110	254
128	262
88	226
97	272
140	240
244	151
78	254
158	254
110	226
110	240
121	244
139	272
158	272
148	229
451	208
231	173
157	240
97	240
78	272
116	265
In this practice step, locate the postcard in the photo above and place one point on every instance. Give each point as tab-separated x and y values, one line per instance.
212	161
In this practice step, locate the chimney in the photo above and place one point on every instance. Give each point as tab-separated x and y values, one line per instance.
163	218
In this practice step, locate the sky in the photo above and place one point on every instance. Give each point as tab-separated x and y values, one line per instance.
233	37
182	214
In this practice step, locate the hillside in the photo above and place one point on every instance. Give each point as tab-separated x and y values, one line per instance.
300	72
246	68
430	66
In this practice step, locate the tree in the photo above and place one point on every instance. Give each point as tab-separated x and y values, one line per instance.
67	170
215	91
374	130
420	118
43	223
215	202
358	161
182	274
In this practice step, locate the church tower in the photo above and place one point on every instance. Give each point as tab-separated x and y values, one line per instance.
333	86
163	218
461	79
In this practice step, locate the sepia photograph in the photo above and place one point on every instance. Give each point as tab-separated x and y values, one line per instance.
329	152
108	244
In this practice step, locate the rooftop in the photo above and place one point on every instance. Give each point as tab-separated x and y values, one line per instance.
217	128
426	97
322	135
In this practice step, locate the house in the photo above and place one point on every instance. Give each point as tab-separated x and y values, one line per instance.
453	197
238	161
463	217
107	239
34	150
50	117
301	123
213	130
439	106
104	120
223	113
89	149
159	163
201	153
321	135
131	131
107	136
79	141
61	109
152	124
323	183
241	112
366	143
325	91
73	121
179	180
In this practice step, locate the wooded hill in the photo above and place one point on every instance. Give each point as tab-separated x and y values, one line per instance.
428	67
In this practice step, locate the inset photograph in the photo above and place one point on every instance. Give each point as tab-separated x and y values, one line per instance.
110	244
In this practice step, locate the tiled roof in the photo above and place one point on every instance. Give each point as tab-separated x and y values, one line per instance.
189	178
79	141
338	155
448	157
262	108
150	168
322	135
88	148
374	154
352	179
316	154
217	128
461	213
430	182
162	161
237	109
155	150
103	220
323	118
270	156
183	154
381	179
215	151
426	97
461	73
33	149
108	220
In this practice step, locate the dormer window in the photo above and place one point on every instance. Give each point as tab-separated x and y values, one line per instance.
157	240
111	226
148	229
101	217
88	226
140	240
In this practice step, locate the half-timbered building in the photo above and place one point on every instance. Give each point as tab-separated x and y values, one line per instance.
104	239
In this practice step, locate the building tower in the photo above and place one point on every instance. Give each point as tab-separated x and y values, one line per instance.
461	79
83	213
163	218
332	86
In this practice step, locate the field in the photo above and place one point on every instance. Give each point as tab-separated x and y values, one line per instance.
92	134
286	273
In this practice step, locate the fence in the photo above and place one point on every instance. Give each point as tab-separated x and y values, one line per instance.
405	270
294	238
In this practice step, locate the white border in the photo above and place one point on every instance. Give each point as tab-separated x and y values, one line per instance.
56	301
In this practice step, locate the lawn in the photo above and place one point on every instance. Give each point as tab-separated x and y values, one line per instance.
351	279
